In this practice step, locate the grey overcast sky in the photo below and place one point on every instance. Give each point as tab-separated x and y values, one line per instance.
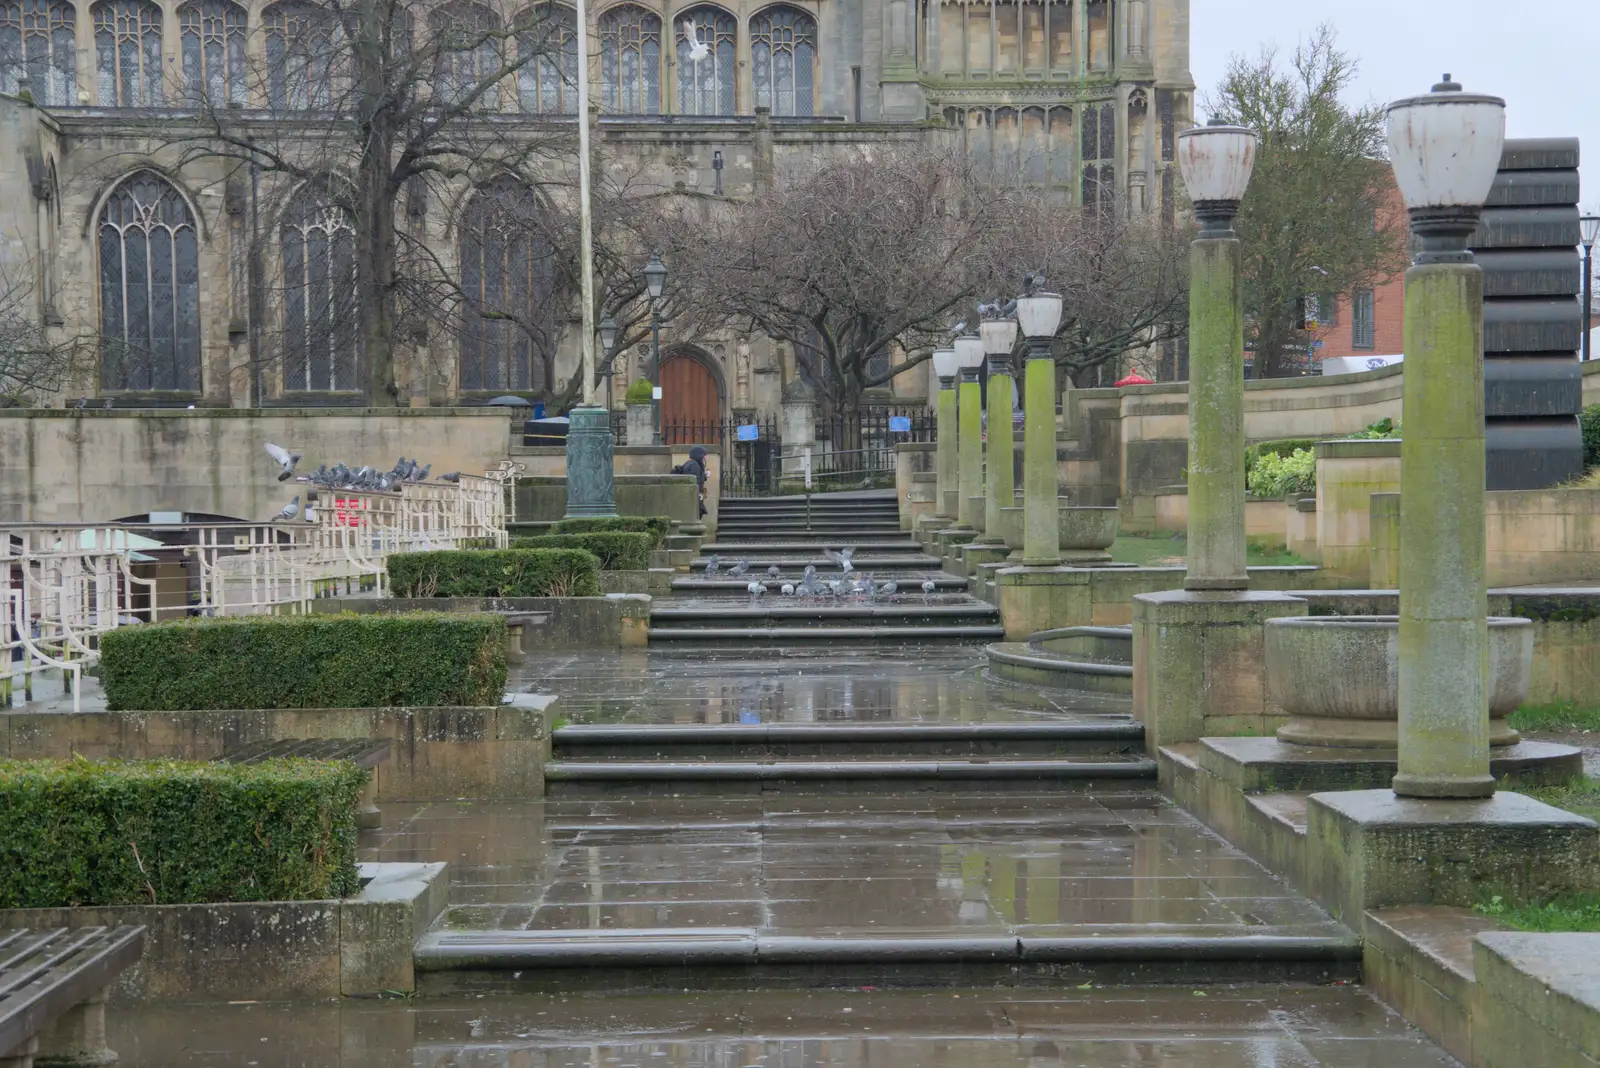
1542	56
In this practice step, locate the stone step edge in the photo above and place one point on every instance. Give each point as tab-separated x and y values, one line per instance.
1000	653
667	634
795	771
815	612
744	733
456	950
739	586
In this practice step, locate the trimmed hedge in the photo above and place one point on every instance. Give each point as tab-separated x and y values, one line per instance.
641	392
1278	476
657	526
80	832
617	551
495	573
415	660
1589	420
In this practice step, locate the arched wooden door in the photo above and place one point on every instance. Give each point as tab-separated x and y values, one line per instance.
691	408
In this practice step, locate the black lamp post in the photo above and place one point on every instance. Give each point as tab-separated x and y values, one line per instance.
608	344
1590	229
655	280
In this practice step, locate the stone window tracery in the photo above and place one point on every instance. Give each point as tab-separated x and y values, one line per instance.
468	55
547	84
304	56
149	288
127	48
321	316
212	34
38	43
783	56
507	280
1005	38
630	60
705	85
1098	153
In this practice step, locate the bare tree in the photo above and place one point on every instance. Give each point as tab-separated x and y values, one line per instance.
1315	218
32	364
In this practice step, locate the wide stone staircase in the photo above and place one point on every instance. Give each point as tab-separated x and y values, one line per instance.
789	533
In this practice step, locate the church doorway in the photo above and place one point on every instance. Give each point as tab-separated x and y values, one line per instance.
691	404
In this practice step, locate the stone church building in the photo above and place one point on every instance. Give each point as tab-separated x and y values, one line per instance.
107	233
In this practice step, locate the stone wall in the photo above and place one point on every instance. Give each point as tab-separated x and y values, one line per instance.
1348	474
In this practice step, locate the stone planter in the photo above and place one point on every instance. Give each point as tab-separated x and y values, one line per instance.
1338	677
1087	534
1011	526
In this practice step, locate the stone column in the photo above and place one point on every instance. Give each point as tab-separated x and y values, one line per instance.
1000	480
1444	605
1216	413
641	431
799	427
947	506
1041	530
590	474
969	479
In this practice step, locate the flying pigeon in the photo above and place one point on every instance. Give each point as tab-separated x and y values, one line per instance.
772	571
740	568
810	572
290	510
842	558
284	459
697	48
453	476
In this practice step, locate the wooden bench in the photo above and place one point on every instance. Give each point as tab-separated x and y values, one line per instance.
53	987
366	752
517	624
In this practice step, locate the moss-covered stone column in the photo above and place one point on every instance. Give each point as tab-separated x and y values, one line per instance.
969	478
1000	480
1444	605
1216	555
945	457
1041	527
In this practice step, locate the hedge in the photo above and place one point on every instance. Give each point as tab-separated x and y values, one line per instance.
658	526
641	392
1589	419
616	550
80	832
416	660
495	573
1278	476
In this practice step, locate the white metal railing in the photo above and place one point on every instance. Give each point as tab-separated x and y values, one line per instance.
63	585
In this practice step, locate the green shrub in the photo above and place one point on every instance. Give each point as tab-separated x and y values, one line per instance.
1278	476
416	660
1383	428
657	526
641	392
1589	419
1280	448
617	550
80	832
495	573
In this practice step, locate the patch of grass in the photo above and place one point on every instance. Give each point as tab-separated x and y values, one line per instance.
1573	912
1165	549
1580	795
1557	716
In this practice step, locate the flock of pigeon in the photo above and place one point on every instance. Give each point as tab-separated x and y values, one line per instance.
343	477
811	585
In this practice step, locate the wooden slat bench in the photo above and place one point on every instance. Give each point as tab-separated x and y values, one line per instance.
53	988
367	752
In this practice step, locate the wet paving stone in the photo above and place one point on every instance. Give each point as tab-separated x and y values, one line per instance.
1283	1026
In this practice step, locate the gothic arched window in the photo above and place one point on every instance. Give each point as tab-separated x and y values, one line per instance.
1098	155
321	318
547	83
127	49
304	56
212	35
705	85
149	288
630	60
507	273
38	42
783	59
468	54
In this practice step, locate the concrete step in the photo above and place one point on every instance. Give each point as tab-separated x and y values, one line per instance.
605	778
783	611
1105	734
808	546
766	531
700	585
1022	662
794	564
751	638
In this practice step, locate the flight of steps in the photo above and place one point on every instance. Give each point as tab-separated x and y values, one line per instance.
791	532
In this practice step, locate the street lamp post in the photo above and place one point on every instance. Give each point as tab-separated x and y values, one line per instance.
946	368
1445	149
1590	226
999	336
969	440
655	280
608	346
1038	316
1216	161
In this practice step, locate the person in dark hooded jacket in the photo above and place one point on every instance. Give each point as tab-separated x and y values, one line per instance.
696	466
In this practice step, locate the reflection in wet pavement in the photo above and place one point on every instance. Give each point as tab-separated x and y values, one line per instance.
1109	863
836	684
1284	1026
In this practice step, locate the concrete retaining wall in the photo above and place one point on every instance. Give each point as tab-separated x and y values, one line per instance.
1348	474
615	621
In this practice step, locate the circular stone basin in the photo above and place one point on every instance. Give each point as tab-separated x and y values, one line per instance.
1010	527
1087	529
1338	677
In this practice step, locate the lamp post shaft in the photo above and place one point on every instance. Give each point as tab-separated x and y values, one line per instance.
1041	523
1000	479
969	439
655	371
946	505
1216	550
1588	297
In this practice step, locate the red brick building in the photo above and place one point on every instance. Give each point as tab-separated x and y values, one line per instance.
1368	322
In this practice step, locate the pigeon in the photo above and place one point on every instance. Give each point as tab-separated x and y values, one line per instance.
712	563
284	459
787	589
83	402
955	331
290	510
453	476
319	477
752	587
339	475
772	572
889	589
928	586
698	49
419	474
810	572
842	557
740	568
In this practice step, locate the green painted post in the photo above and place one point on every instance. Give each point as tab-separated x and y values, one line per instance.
1041	522
969	478
1444	603
1216	414
946	454
1000	480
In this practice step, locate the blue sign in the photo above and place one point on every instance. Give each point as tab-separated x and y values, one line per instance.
749	432
748	716
899	424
